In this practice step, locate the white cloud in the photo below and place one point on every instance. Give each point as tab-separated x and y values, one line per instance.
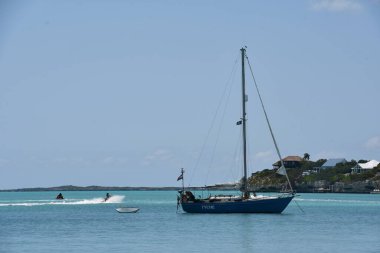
117	161
373	143
264	154
336	5
264	159
109	160
157	155
3	162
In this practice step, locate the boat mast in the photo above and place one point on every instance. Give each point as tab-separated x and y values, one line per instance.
243	119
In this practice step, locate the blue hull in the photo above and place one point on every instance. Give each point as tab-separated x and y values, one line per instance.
276	205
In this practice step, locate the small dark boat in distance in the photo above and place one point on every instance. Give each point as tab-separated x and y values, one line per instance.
59	196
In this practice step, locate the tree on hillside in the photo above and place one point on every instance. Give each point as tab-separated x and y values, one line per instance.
306	156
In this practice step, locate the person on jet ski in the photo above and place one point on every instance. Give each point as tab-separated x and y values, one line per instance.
60	196
107	197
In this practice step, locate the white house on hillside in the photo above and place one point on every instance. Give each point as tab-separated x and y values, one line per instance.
362	167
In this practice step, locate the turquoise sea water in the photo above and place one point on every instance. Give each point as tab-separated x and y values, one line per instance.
36	222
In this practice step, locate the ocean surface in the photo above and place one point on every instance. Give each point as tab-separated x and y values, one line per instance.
36	222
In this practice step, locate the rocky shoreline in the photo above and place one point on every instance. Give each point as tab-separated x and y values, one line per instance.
323	186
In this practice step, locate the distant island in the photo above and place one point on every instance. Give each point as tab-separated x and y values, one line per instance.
118	188
92	188
324	175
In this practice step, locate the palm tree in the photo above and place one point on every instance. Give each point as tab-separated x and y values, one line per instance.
306	156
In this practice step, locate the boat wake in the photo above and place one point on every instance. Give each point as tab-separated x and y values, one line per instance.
112	200
352	201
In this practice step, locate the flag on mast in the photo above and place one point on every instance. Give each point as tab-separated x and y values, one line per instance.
181	176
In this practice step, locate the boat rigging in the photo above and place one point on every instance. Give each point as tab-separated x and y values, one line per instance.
247	202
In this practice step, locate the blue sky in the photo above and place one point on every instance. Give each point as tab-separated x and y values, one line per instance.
123	92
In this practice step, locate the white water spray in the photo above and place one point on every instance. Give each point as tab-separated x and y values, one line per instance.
112	200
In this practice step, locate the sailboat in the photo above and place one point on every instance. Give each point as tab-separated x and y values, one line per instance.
247	201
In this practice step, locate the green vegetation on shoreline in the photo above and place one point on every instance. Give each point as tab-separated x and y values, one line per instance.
306	179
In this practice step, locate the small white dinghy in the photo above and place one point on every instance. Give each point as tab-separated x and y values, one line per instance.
127	209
